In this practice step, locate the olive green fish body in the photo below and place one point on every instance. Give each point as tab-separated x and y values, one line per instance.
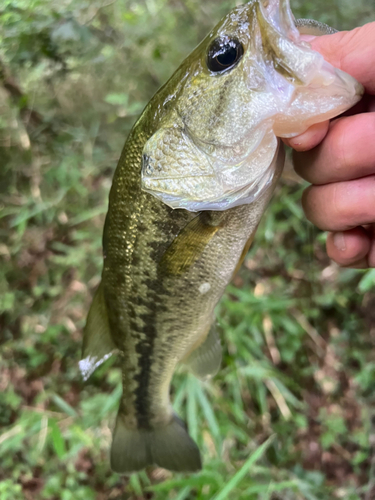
160	304
192	183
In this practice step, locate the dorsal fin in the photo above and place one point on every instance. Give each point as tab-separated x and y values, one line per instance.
315	28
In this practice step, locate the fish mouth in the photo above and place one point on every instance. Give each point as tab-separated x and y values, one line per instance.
312	89
276	15
281	44
286	87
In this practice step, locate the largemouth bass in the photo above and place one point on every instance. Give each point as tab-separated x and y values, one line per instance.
194	178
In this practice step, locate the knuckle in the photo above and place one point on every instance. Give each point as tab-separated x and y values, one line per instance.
314	207
371	124
352	202
341	159
302	163
342	211
305	202
298	163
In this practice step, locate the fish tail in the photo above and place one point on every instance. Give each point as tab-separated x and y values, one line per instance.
169	447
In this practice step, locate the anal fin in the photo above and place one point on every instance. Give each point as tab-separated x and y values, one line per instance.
97	342
205	360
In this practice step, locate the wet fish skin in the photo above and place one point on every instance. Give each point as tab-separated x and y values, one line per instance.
166	269
167	314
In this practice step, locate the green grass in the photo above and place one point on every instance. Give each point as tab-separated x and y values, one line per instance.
289	416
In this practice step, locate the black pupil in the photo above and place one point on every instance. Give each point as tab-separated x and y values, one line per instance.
223	54
228	55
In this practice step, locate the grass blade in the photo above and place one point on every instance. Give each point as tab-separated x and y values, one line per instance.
183	494
237	478
64	406
192	417
209	414
136	484
57	439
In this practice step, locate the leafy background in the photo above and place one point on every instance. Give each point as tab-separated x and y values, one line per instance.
290	414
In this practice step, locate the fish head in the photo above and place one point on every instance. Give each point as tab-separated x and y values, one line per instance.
250	82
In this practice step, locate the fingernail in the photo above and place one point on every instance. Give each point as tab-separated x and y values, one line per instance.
339	241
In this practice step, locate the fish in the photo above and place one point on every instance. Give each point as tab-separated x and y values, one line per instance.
194	178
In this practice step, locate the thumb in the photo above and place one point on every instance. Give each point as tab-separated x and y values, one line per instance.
352	51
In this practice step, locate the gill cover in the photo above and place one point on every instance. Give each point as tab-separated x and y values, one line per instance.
217	146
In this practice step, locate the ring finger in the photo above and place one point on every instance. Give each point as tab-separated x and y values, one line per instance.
341	205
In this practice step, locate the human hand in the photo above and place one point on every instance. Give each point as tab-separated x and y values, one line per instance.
338	157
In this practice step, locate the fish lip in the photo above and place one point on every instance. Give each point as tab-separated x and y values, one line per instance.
279	19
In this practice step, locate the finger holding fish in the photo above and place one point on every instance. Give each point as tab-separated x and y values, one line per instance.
341	206
309	139
349	51
346	154
352	248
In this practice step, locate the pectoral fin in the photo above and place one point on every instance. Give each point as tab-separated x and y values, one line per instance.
97	342
205	360
188	246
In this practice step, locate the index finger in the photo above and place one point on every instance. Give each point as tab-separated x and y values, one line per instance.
351	51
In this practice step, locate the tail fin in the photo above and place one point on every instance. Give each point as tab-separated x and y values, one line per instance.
169	447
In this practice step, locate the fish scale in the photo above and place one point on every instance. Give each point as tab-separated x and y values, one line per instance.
144	224
194	178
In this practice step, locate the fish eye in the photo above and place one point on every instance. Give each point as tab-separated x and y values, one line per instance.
223	54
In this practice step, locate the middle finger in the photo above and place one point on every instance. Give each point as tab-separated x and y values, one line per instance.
347	152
